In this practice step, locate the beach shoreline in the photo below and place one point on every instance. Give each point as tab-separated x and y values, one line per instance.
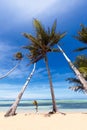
44	121
45	105
72	115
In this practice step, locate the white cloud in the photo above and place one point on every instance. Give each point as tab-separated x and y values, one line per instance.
5	47
19	12
37	91
58	76
6	50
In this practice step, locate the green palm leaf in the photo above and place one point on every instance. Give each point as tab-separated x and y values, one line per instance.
82	36
81	64
80	49
73	80
53	30
63	35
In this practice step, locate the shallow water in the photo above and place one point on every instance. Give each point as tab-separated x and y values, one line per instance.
45	105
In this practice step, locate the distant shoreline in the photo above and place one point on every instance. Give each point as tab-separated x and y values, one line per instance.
45	105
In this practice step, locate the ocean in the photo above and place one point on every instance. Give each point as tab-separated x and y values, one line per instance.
45	105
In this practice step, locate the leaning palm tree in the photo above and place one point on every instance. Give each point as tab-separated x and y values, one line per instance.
40	46
12	109
18	56
82	36
81	64
76	71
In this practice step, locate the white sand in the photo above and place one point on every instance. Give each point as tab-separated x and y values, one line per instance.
22	121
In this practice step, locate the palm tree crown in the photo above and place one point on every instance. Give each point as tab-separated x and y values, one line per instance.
43	42
18	56
82	36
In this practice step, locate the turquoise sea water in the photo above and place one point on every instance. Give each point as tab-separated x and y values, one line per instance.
45	105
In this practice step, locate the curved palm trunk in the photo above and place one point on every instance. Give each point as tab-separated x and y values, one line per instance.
51	87
5	75
12	109
79	75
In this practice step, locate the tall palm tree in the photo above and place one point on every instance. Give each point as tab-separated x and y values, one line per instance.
76	71
12	109
82	36
18	56
81	64
39	46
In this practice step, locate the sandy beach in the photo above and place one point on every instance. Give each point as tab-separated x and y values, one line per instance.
32	121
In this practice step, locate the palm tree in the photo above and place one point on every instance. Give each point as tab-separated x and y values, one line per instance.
40	46
82	36
81	61
18	56
76	71
81	64
12	109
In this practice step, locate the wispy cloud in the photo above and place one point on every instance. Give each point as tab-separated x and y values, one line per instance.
19	12
37	91
6	50
58	76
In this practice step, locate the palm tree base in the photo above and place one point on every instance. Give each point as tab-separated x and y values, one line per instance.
52	112
10	112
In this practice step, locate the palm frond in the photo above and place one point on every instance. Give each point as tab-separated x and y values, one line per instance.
53	30
34	59
83	69
57	37
78	88
81	61
38	26
82	34
78	85
40	30
80	49
63	35
55	50
42	34
73	80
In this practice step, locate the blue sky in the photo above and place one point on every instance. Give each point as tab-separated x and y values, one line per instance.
16	17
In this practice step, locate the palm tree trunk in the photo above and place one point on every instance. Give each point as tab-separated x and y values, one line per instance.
5	75
51	87
12	109
76	71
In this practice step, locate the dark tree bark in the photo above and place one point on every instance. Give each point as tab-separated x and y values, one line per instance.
51	87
